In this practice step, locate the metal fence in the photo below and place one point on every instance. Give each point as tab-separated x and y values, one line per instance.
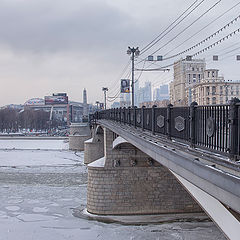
215	127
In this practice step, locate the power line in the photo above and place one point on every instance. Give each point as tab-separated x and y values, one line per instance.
217	42
123	71
169	26
203	28
112	100
206	39
214	5
172	28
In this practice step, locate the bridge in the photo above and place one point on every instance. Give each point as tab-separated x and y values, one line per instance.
167	160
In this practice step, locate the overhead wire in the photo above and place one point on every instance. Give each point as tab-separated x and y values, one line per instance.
216	43
169	26
221	15
208	10
205	39
161	37
123	71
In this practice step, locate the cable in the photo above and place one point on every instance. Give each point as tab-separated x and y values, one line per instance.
206	39
169	26
187	27
217	42
204	28
112	100
115	95
124	70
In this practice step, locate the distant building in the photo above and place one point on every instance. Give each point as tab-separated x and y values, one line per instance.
158	103
115	105
187	73
145	93
58	106
85	105
213	89
17	107
161	93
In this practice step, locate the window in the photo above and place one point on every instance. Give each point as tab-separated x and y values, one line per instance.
214	101
207	100
208	74
213	74
194	77
213	90
199	77
193	69
207	90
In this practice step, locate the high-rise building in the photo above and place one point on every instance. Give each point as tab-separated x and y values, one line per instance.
136	93
85	105
161	93
84	96
145	93
187	73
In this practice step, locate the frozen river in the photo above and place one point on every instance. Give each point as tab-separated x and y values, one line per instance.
41	189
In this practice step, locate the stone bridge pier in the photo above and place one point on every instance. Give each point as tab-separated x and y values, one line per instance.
79	133
94	147
126	181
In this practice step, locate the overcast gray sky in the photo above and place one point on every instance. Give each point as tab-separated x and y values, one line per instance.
66	45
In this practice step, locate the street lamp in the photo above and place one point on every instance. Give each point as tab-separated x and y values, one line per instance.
105	89
97	102
134	52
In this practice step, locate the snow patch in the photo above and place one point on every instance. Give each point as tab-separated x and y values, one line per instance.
98	163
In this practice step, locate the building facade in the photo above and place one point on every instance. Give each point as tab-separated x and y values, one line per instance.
213	89
187	73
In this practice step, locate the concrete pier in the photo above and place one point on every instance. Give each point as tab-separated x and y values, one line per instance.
79	133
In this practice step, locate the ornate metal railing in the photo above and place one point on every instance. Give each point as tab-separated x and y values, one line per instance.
215	128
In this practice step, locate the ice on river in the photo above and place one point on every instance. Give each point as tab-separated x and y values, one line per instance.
39	191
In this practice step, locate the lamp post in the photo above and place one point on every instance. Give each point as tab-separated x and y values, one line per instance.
134	52
105	89
97	102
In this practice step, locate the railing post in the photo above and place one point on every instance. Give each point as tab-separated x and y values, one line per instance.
134	116
233	128
124	115
153	119
169	107
120	114
142	113
117	115
129	116
114	114
193	123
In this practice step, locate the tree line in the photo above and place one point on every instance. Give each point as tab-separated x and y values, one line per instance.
12	120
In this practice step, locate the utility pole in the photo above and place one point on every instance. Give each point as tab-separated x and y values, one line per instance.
134	52
105	89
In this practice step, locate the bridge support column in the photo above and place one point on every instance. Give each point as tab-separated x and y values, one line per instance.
79	133
126	181
94	147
